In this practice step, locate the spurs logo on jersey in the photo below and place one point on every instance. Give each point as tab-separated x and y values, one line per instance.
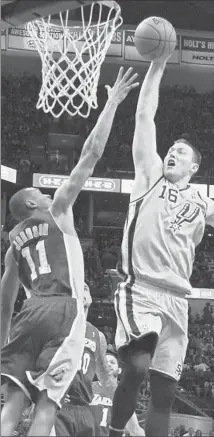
162	229
184	215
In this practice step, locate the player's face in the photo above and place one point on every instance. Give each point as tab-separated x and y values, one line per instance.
178	162
43	201
113	365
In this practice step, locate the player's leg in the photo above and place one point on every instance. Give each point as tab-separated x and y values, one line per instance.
74	421
65	422
160	404
44	416
140	321
16	357
167	366
58	361
15	403
137	362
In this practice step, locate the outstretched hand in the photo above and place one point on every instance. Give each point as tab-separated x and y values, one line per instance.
123	85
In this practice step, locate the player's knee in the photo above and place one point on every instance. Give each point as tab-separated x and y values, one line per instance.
162	391
138	365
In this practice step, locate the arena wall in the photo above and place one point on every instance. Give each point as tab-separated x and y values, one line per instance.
205	424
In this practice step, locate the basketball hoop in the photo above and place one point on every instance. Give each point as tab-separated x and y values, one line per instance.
70	85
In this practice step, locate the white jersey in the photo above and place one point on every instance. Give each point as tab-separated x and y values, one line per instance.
162	230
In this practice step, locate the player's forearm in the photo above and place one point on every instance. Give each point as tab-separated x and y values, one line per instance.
110	384
149	93
96	142
9	292
6	316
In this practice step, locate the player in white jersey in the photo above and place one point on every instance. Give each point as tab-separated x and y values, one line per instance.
46	257
165	222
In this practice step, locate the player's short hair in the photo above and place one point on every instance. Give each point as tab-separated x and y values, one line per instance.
17	204
196	154
112	351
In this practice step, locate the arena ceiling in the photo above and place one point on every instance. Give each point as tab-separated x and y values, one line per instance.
193	15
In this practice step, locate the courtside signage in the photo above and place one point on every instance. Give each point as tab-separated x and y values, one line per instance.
211	191
131	53
103	184
92	184
115	48
197	50
3	39
201	293
8	174
126	186
20	39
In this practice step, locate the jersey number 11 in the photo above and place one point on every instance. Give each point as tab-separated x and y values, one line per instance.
44	267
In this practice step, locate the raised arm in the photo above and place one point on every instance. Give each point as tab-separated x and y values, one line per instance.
95	143
148	165
102	368
9	291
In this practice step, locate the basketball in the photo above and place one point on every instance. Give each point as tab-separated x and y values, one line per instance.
155	37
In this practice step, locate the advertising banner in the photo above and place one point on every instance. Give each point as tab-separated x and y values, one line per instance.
20	39
211	191
115	48
8	174
92	184
131	53
201	293
197	50
3	39
102	184
126	186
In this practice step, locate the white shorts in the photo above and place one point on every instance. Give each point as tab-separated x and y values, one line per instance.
142	311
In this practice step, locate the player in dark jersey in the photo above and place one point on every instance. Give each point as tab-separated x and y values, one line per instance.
47	339
101	404
75	417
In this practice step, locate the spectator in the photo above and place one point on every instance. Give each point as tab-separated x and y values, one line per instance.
190	433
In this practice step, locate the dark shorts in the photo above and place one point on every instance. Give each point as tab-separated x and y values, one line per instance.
74	422
46	346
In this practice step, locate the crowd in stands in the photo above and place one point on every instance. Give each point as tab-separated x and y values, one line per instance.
198	373
181	111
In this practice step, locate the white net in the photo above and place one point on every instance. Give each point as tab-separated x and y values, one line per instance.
72	57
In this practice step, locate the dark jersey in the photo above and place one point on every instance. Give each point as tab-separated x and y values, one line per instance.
50	262
80	391
101	406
